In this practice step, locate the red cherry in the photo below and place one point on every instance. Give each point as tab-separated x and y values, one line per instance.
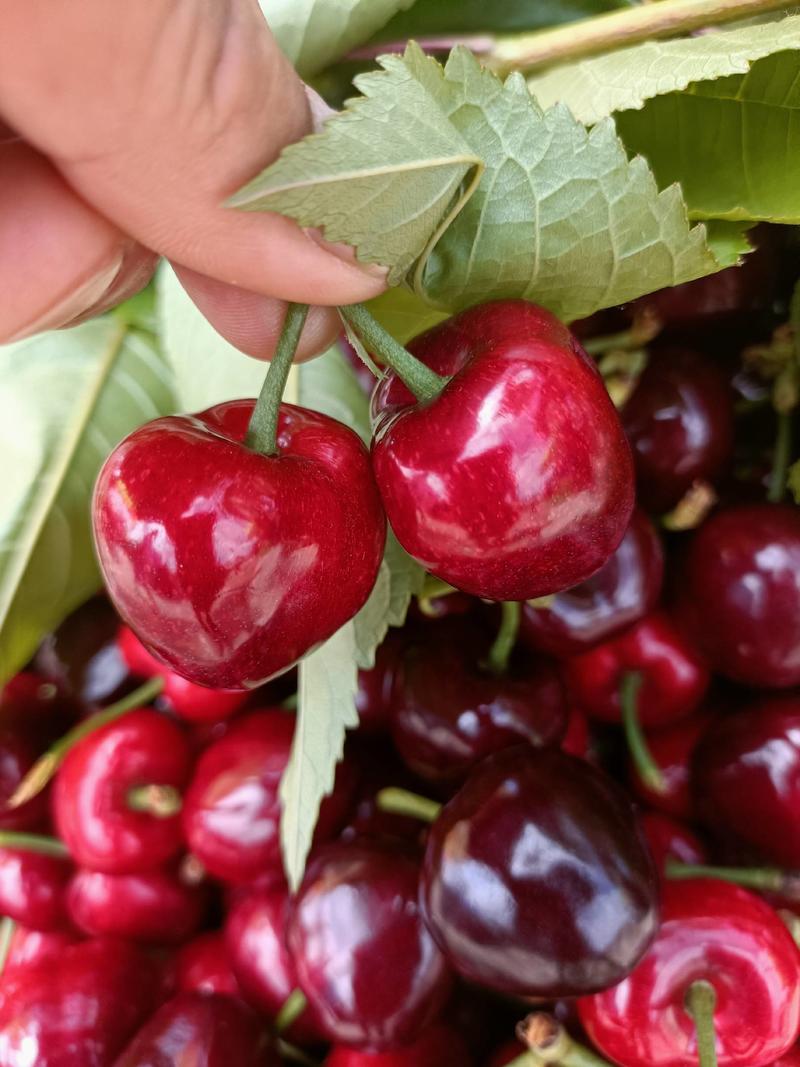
152	906
233	570
79	1010
626	588
672	748
577	741
255	935
791	1059
670	840
231	812
204	966
36	709
364	957
674	677
746	778
204	1031
516	481
519	865
93	795
449	711
716	933
30	948
32	888
739	595
438	1046
679	421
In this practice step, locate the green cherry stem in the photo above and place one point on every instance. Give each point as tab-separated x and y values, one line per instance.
291	1010
160	801
781	457
47	765
262	433
763	879
503	645
7	930
646	767
404	802
549	1042
424	383
41	843
700	1001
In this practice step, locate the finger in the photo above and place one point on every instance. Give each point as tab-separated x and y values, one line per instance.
157	132
59	259
253	322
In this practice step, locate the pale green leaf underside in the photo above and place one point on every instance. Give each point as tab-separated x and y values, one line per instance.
315	33
404	314
66	399
625	79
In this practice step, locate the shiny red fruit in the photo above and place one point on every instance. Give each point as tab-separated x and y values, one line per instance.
92	798
670	840
674	677
374	694
679	421
625	589
153	906
718	933
672	748
201	1031
33	888
30	948
255	935
365	960
17	755
739	595
449	711
79	1010
577	741
746	778
438	1046
537	881
516	481
233	566
203	965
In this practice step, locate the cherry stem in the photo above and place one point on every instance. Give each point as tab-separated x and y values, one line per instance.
781	458
590	37
404	802
7	930
262	433
700	1001
47	765
643	329
160	801
291	1010
763	879
41	843
646	767
424	383
549	1042
503	646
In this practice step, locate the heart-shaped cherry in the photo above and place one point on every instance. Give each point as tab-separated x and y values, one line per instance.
516	480
521	863
232	569
203	965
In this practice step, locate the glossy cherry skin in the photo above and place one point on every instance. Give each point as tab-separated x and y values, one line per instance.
31	948
33	887
674	676
449	712
746	778
365	960
231	811
670	840
255	935
375	686
203	965
153	906
679	421
233	570
516	481
91	794
672	748
718	933
520	866
739	595
438	1046
202	1030
78	1011
577	741
195	703
625	589
791	1059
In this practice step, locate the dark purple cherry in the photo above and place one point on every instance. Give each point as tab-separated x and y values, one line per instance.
623	591
374	694
739	593
365	960
537	880
449	710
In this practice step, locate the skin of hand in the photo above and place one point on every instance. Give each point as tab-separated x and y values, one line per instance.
123	129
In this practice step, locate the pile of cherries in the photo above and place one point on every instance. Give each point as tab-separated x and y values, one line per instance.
573	798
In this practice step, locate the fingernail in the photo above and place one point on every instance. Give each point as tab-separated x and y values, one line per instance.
320	111
76	303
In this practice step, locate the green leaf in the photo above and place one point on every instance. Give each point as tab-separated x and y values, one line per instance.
436	17
406	579
733	143
328	384
66	399
625	79
383	175
794	481
315	33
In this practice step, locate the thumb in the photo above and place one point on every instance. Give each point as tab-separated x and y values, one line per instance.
155	112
